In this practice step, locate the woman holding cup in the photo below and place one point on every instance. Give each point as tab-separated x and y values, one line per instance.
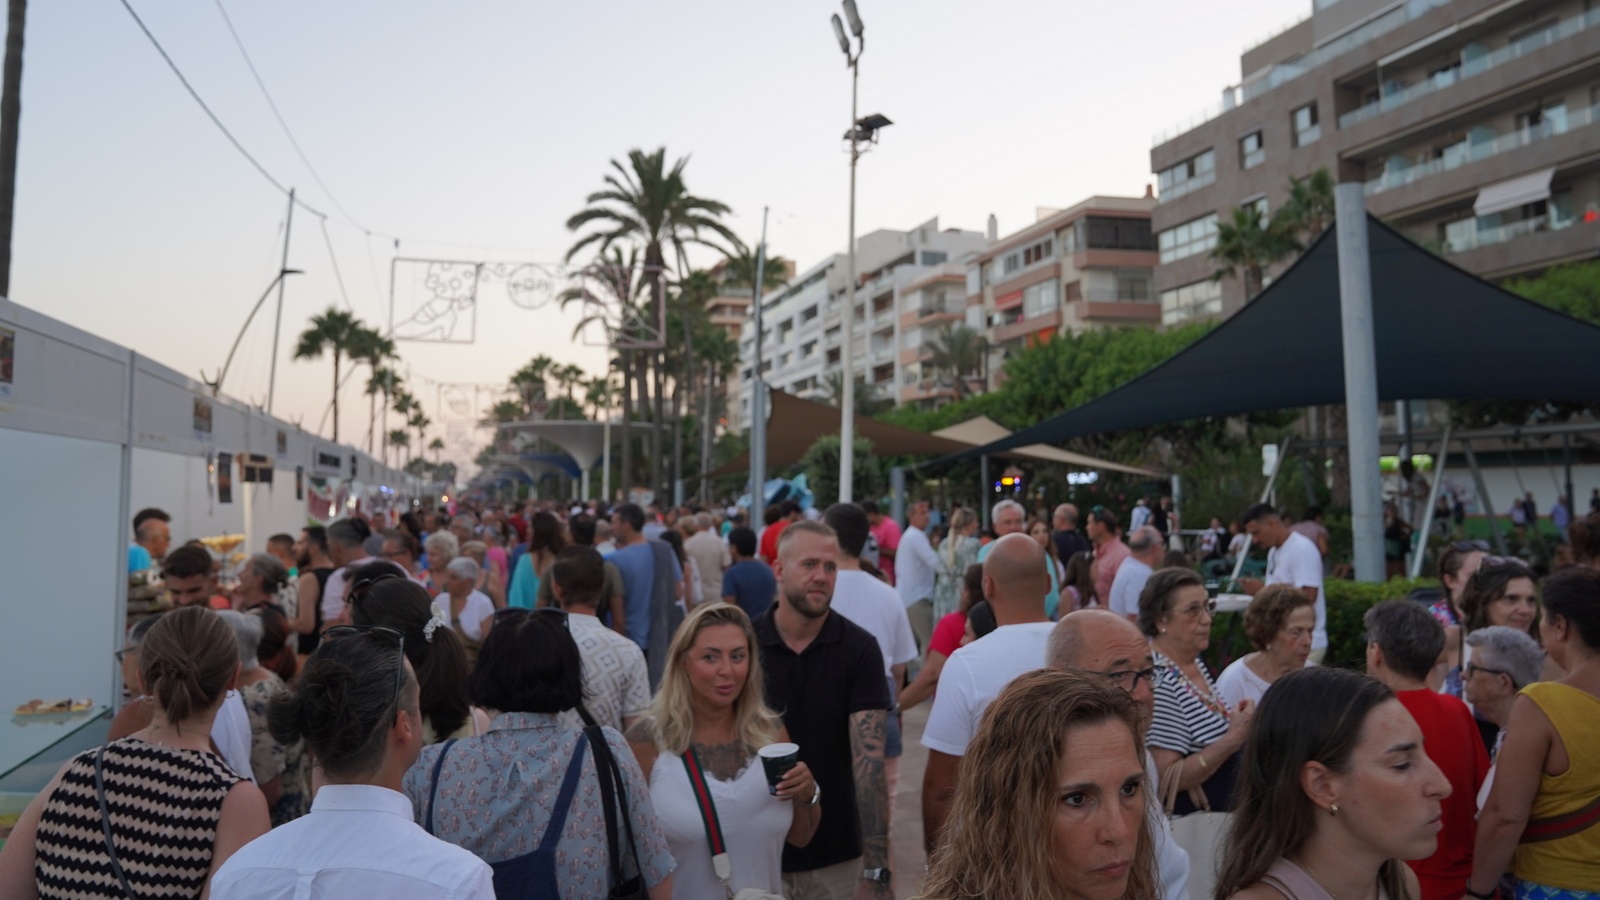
710	736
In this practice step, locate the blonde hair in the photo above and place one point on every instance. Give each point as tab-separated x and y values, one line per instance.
672	718
996	843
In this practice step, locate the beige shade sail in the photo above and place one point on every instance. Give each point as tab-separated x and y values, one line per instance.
984	430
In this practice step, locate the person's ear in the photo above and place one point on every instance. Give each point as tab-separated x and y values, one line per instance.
1320	785
1375	659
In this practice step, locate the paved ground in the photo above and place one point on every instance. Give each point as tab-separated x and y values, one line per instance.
905	830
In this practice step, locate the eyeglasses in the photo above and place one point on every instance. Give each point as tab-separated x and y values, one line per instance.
120	655
1469	546
1209	608
1129	679
382	633
1474	667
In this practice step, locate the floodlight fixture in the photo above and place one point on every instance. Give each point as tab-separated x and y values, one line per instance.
855	18
838	32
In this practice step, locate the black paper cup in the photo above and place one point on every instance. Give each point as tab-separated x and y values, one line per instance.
777	760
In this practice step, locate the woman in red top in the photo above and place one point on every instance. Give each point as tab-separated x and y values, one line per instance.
1404	644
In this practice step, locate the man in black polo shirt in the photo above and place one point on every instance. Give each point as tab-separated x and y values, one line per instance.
825	675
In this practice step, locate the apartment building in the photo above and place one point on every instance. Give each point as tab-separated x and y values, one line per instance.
729	310
1088	266
900	273
1471	122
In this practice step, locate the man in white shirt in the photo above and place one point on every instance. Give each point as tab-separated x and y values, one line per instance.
1140	515
1015	583
359	840
710	555
1292	559
346	540
917	568
1098	642
1146	548
616	683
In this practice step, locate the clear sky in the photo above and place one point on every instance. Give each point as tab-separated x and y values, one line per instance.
472	131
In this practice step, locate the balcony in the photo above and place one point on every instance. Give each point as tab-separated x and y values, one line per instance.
1487	237
1050	321
1097	306
1475	66
1466	152
1525	246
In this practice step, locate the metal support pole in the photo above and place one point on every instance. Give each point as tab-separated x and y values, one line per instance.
1483	498
897	493
1272	480
277	326
1566	462
605	464
1421	550
983	495
847	411
1360	380
758	391
1177	499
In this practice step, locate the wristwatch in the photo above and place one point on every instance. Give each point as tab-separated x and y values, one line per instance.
878	876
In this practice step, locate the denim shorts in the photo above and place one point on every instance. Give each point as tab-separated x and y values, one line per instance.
893	745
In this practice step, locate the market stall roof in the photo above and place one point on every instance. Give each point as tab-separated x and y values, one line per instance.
583	440
1441	334
984	430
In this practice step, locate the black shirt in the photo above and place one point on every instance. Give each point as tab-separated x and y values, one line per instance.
840	673
1070	542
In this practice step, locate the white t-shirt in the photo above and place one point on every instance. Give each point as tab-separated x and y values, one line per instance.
477	608
230	731
976	674
1299	562
1128	585
876	607
1239	682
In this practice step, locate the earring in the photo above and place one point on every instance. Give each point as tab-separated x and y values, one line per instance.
1333	809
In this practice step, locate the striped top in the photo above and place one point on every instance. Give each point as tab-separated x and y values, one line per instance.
164	805
1187	718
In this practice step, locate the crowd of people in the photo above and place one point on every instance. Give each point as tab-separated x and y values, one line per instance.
569	700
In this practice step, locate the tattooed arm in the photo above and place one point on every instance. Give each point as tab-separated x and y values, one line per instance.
868	731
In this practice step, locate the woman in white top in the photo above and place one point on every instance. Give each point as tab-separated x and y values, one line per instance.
711	705
1279	623
467	610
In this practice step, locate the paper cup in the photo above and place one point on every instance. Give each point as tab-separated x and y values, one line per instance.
777	760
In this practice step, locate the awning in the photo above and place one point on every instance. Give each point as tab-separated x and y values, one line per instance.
1515	192
1008	301
984	430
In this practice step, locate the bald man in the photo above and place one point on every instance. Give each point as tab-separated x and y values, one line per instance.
1103	643
1015	582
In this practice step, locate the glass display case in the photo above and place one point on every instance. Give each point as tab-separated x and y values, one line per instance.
33	749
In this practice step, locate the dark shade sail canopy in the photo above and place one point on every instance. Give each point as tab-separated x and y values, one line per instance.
1441	333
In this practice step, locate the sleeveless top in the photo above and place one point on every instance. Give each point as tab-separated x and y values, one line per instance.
164	805
309	642
1296	883
1561	843
754	824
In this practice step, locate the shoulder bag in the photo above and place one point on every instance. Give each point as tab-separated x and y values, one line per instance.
105	821
720	862
1199	833
614	797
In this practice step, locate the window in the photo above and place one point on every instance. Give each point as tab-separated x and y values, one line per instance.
833	357
1011	263
1191	301
809	314
808	349
1251	151
1307	128
934	257
1194	172
1106	233
1037	252
1193	236
831	334
1039	299
1260	206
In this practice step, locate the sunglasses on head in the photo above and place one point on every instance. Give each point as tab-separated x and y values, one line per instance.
1470	546
1497	562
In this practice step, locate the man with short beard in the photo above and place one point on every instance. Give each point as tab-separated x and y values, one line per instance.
826	675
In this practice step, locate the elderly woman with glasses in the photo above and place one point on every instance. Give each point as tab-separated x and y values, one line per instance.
1504	661
1194	734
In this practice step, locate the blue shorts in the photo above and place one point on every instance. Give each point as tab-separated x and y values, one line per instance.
893	744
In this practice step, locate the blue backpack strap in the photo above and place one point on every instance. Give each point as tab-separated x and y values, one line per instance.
433	784
569	786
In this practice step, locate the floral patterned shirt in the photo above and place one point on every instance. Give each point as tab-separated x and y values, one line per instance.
495	795
1447	617
269	759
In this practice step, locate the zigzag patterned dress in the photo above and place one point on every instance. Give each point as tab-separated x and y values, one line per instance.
164	805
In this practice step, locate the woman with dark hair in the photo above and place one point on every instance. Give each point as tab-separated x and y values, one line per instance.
391	601
1540	817
355	707
545	540
1335	792
1194	734
1456	565
948	637
689	590
1077	580
1052	800
540	774
1503	592
155	813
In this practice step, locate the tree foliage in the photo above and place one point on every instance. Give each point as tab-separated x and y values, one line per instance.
821	465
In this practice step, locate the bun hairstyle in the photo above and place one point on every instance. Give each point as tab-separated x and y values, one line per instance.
436	654
344	704
188	659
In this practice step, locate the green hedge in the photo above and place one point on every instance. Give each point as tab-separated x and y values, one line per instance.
1347	602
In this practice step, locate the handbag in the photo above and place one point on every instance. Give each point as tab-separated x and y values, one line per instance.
105	821
720	862
614	795
1199	833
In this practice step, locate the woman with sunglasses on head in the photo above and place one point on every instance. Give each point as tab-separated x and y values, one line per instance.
1502	591
390	601
531	781
1335	793
710	712
1456	564
155	813
1541	819
1194	734
355	708
1279	622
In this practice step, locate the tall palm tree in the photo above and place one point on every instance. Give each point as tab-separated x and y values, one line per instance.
529	381
437	446
375	351
739	270
599	394
647	204
420	421
616	280
959	351
399	437
1246	246
336	332
1309	210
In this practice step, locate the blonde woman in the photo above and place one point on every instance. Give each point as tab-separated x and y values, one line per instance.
958	550
1052	800
711	705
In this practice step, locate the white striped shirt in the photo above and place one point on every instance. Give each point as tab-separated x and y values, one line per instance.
1183	722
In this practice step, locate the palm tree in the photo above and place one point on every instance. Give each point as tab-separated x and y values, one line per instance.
529	381
399	437
616	280
420	422
339	333
868	403
436	445
374	350
381	381
1246	246
739	270
599	393
1309	210
647	204
959	351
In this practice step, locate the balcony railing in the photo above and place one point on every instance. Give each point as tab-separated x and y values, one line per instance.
1508	232
1469	152
1470	67
1117	296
